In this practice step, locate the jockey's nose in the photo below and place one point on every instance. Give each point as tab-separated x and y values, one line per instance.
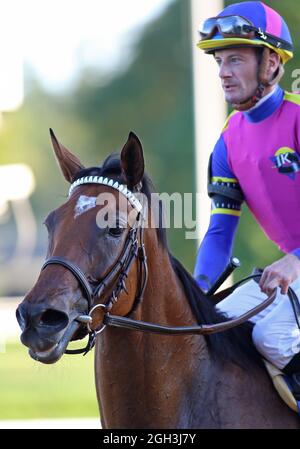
45	320
224	70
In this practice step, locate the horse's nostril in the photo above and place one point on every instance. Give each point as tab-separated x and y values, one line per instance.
54	318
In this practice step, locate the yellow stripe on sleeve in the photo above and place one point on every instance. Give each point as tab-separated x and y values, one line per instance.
219	210
220	179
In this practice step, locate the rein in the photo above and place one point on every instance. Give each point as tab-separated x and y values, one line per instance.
130	252
202	329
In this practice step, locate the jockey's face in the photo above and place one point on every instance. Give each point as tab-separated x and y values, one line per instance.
238	72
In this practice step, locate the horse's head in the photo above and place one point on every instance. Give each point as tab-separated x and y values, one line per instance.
94	253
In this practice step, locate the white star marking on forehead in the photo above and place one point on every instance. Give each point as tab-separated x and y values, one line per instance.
84	203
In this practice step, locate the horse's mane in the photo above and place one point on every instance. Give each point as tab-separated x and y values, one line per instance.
232	345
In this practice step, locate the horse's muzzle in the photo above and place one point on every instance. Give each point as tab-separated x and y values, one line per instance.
42	328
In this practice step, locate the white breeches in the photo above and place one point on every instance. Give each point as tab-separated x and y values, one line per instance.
275	333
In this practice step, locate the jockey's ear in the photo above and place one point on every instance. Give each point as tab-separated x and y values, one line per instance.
68	162
132	161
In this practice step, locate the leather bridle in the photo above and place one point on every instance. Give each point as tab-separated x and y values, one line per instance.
134	248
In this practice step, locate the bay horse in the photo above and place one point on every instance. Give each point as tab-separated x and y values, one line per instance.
143	380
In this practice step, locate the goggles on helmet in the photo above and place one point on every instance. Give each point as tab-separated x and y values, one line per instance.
238	26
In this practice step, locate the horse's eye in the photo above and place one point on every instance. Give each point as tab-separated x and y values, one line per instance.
116	231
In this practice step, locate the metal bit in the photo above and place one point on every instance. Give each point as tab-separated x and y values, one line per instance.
84	319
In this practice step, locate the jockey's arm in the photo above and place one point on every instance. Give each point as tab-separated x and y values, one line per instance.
215	249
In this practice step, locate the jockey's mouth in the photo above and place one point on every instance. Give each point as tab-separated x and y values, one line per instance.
229	86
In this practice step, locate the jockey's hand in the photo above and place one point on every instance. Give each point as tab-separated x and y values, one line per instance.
280	274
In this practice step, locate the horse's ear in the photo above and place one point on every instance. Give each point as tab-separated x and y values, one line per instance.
132	161
68	162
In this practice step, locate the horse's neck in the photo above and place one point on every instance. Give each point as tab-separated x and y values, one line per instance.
164	298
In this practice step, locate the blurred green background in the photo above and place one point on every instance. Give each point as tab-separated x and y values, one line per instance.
31	390
153	96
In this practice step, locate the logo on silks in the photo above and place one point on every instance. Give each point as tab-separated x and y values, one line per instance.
287	161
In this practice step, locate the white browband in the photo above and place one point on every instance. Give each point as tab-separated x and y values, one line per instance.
111	183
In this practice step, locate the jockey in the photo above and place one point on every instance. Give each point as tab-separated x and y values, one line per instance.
257	161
